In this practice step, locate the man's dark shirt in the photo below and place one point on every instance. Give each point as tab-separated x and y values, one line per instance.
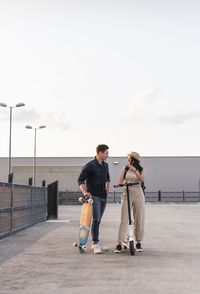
96	176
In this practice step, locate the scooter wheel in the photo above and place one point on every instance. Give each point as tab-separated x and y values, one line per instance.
132	249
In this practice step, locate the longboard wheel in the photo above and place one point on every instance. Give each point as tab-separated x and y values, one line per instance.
90	201
80	199
83	247
75	244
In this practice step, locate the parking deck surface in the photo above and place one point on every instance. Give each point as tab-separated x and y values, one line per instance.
42	259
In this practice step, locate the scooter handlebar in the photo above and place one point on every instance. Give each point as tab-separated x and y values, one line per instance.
126	184
120	185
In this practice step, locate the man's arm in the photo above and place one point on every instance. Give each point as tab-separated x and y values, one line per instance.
107	180
81	180
84	191
107	187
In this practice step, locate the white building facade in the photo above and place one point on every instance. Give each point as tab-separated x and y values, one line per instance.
168	174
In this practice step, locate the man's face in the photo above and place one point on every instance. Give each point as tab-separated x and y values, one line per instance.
104	155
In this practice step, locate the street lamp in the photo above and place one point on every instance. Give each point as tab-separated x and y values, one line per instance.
10	137
34	157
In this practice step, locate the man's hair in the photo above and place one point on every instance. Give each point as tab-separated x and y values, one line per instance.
101	148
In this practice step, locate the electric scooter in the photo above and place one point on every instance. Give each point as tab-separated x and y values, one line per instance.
130	226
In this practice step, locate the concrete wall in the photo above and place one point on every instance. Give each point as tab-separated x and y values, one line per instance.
162	173
66	175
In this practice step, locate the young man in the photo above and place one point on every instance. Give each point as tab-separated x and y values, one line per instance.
94	183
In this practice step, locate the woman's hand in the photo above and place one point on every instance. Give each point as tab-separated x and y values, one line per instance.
131	167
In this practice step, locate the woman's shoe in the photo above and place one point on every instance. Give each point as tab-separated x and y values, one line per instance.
118	248
139	247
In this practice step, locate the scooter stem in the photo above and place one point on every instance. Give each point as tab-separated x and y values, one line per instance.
128	200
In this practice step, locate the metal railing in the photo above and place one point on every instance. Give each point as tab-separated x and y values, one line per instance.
21	207
161	197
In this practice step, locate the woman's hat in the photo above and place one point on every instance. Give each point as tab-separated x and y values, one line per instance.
134	155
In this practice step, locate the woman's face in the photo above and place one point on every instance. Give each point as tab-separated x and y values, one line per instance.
130	160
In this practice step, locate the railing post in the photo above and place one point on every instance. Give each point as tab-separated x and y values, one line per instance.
183	196
114	196
159	196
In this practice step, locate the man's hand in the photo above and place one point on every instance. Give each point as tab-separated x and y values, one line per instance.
87	195
84	191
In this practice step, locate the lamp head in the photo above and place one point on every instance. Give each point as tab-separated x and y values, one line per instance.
20	104
3	105
28	127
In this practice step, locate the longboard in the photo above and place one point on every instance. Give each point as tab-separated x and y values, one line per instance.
85	221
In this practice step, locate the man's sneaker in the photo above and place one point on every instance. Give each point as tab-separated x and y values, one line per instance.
125	244
103	247
118	248
92	247
97	249
139	247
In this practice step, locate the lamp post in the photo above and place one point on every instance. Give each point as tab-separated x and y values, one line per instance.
34	156
10	136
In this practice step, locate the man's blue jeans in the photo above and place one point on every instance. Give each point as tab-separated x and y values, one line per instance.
99	205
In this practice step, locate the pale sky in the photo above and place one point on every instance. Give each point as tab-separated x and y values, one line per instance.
124	73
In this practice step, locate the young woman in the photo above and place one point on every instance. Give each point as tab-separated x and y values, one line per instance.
133	172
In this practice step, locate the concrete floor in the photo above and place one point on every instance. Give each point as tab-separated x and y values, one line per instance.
42	259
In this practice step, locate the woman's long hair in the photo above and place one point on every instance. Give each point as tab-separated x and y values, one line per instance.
136	164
